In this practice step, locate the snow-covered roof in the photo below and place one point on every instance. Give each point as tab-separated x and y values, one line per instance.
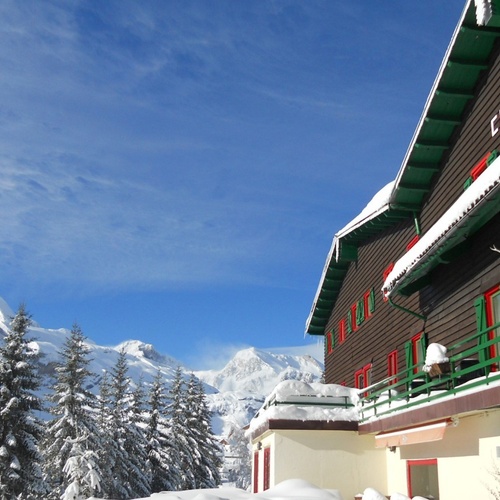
435	240
376	206
299	401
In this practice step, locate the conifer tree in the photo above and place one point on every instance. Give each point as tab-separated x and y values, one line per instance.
207	452
162	455
183	441
130	480
72	437
107	461
20	429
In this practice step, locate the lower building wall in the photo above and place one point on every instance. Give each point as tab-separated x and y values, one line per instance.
466	458
339	460
466	461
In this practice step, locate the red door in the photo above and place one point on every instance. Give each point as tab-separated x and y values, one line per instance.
267	468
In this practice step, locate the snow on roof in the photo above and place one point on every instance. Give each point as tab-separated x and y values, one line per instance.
377	205
445	226
295	400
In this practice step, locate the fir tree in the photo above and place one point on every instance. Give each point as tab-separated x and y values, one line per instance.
20	429
107	461
162	455
73	434
183	441
207	453
130	480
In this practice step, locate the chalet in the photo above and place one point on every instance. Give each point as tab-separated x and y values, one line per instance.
408	304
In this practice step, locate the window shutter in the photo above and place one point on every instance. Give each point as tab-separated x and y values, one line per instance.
349	321
423	345
371	301
360	312
480	306
409	361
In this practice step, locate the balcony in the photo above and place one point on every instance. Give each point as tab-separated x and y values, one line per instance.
474	366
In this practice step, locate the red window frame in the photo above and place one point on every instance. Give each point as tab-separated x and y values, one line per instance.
267	468
366	304
416	463
392	366
342	330
386	273
329	342
354	323
362	377
490	318
256	472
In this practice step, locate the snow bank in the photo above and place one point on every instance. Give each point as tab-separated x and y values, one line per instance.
291	489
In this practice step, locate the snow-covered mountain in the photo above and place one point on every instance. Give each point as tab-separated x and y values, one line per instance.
235	393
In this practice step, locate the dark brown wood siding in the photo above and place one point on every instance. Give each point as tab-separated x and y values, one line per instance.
472	141
448	301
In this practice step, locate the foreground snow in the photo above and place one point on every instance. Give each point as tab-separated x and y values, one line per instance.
290	489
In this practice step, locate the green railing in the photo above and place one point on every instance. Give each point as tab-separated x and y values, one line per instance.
473	362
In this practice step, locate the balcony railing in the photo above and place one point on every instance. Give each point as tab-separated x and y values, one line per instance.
474	363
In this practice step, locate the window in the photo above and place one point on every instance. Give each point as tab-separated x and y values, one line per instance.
362	378
256	471
392	366
415	352
386	273
267	468
353	317
342	330
360	312
488	314
329	342
369	303
422	476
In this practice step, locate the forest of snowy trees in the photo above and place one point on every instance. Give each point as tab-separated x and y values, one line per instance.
122	443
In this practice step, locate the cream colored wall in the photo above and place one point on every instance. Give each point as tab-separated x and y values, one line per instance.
466	457
340	460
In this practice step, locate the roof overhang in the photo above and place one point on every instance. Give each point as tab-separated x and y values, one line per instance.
478	204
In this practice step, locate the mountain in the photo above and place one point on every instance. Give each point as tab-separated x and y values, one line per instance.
234	393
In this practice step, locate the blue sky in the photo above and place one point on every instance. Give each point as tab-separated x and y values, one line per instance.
174	171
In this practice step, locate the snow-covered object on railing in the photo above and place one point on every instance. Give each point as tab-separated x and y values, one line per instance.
295	400
470	200
435	354
484	11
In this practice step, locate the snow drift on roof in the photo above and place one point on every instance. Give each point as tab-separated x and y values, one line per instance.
444	227
295	400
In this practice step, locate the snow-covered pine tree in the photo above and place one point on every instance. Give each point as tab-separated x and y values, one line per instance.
183	441
106	461
240	453
162	455
20	429
129	474
72	435
208	453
